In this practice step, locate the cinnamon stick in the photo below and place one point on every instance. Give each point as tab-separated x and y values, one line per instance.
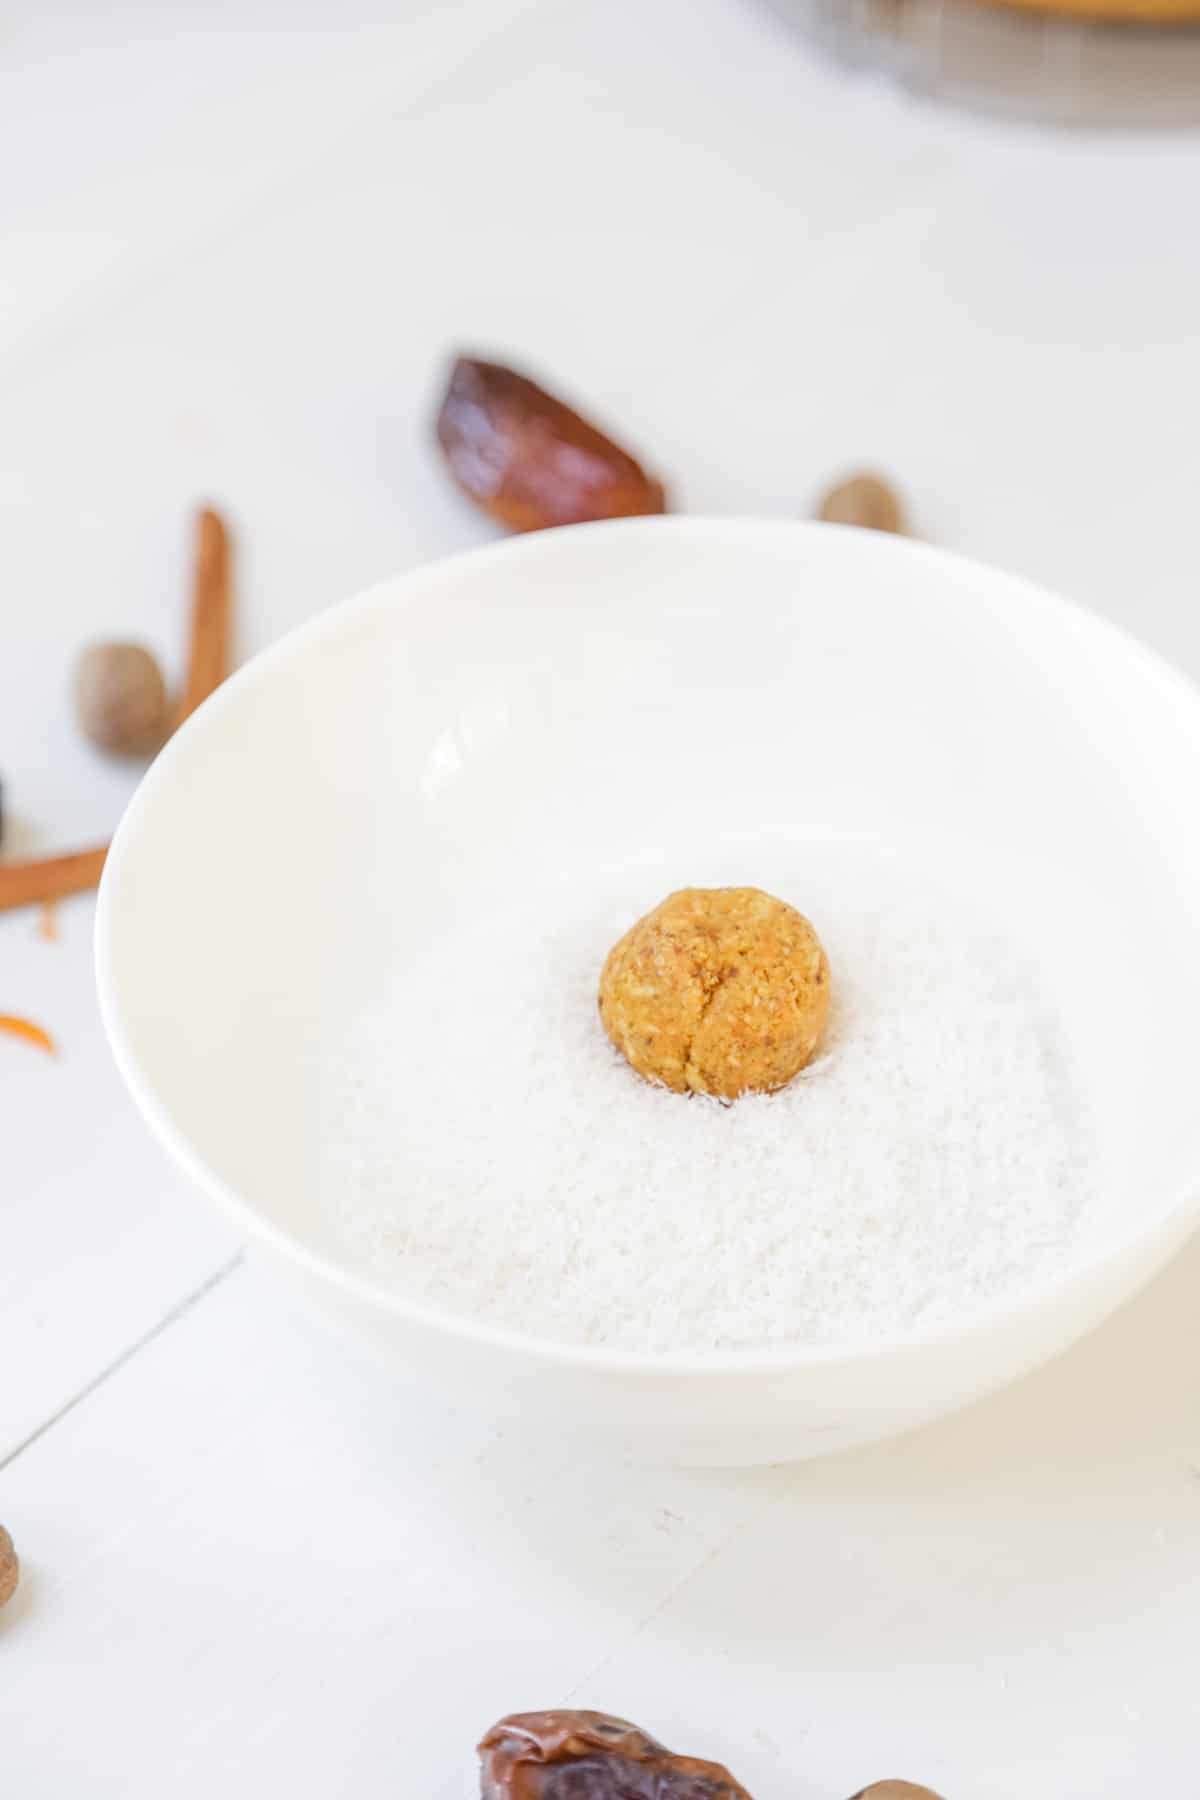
212	613
48	922
53	877
49	877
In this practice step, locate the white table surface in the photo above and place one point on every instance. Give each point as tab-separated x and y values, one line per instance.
236	245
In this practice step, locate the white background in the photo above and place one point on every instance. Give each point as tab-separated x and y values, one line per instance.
236	246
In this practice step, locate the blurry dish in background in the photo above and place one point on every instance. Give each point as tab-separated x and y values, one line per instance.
1084	62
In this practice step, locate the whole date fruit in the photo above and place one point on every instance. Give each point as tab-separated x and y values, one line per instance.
530	461
590	1756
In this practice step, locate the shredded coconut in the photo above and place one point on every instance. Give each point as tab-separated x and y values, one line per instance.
488	1152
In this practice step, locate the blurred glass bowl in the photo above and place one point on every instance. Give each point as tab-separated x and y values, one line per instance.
1020	60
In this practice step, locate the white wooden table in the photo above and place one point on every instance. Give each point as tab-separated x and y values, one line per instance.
235	247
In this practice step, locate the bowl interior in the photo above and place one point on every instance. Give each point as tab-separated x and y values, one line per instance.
685	695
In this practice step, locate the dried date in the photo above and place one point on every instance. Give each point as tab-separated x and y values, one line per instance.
528	459
590	1756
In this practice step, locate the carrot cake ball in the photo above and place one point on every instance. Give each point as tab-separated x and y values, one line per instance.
717	991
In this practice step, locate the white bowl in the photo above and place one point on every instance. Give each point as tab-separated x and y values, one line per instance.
579	697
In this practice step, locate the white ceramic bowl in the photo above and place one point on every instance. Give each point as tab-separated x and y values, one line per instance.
577	697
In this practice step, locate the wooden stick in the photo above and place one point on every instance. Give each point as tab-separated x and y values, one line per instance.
50	877
212	613
53	877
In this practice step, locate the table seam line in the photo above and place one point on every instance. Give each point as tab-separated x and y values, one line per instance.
180	1309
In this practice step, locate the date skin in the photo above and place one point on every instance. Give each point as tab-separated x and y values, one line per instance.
528	459
590	1756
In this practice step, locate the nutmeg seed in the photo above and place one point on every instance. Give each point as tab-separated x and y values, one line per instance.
121	699
866	500
895	1790
10	1568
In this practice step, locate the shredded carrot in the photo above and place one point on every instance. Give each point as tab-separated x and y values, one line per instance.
25	1028
47	927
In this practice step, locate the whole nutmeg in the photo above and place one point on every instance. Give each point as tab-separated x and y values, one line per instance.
895	1790
863	499
121	699
10	1568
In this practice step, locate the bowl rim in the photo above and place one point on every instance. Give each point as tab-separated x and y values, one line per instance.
741	1360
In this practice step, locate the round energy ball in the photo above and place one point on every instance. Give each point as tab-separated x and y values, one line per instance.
717	991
